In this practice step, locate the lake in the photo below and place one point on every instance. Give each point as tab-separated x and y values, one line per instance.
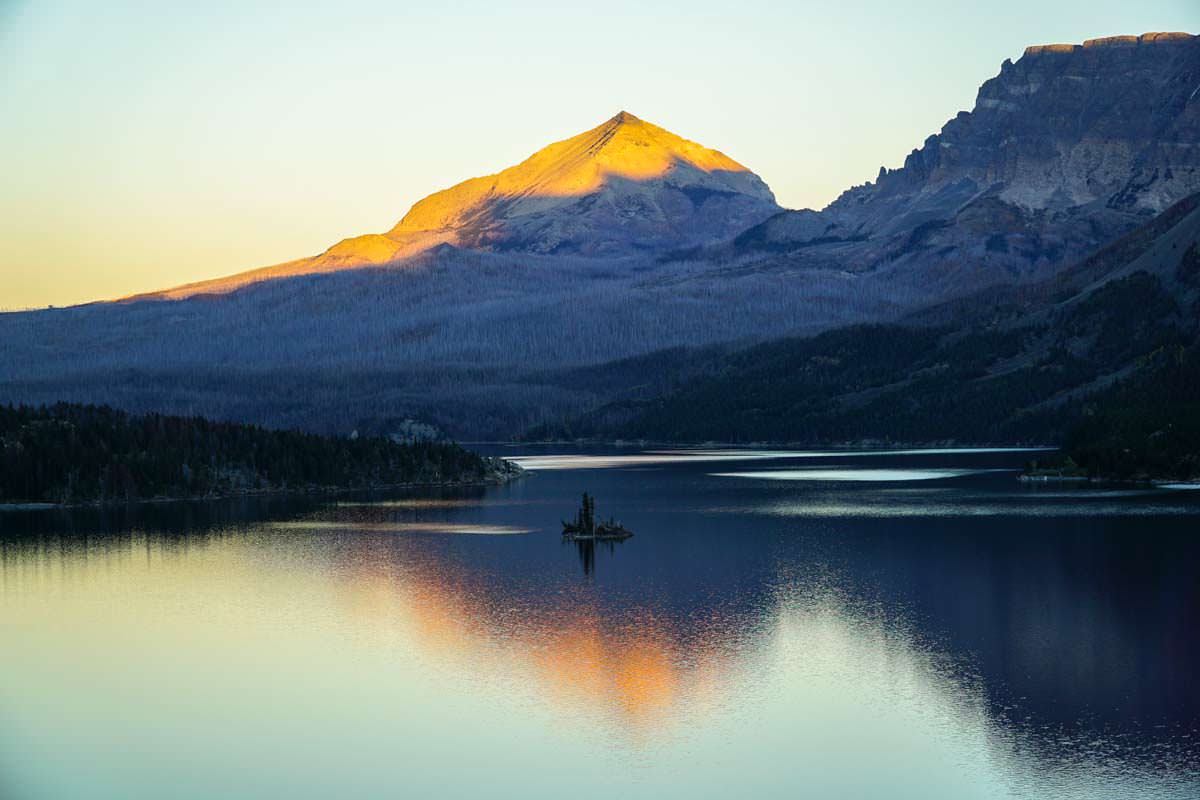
783	623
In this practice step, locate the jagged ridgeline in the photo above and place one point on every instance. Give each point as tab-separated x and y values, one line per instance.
77	454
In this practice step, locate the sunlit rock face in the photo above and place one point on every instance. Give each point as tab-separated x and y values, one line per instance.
625	186
622	188
1067	148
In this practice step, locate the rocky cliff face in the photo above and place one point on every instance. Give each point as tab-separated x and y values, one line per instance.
1115	120
1066	148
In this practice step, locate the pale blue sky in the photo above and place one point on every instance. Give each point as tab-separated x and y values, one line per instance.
147	145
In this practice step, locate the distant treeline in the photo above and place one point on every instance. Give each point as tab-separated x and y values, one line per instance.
81	453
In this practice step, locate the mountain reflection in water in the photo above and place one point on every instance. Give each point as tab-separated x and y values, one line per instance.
1000	655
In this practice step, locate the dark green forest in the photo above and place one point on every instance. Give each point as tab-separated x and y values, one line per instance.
1112	376
69	453
1145	427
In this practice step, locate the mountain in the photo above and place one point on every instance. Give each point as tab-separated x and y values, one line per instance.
623	188
1066	149
625	266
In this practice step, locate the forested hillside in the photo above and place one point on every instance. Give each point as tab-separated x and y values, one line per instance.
453	338
1102	357
75	453
910	383
1145	427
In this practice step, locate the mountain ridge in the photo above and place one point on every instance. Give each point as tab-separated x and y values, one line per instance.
1066	149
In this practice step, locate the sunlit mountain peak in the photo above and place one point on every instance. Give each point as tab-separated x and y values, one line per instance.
623	188
619	151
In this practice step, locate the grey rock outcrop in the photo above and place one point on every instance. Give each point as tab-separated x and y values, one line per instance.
1066	149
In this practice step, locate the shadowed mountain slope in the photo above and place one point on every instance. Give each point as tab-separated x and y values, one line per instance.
1029	364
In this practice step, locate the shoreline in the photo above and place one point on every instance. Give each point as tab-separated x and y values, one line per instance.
1146	482
862	444
508	474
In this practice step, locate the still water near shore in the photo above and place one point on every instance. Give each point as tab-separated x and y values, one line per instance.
791	623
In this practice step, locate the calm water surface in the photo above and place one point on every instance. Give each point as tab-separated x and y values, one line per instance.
911	625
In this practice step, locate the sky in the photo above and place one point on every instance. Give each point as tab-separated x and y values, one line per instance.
152	144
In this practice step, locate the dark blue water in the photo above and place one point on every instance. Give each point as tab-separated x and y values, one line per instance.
916	625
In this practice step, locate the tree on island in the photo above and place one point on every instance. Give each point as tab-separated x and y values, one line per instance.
585	520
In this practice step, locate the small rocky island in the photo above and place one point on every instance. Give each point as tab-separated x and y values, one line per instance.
585	527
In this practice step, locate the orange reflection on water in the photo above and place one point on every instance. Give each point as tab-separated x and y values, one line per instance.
631	669
630	665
